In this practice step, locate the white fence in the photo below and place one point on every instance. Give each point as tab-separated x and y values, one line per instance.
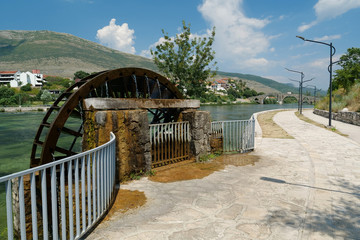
62	199
170	142
237	135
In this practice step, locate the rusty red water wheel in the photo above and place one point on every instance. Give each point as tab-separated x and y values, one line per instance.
62	126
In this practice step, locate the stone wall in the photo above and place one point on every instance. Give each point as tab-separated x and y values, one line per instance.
131	129
200	131
347	117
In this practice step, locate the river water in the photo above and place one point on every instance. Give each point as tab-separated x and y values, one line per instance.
243	111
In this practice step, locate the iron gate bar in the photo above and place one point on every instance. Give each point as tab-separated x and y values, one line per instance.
169	143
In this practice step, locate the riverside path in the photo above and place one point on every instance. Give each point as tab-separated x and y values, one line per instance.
302	188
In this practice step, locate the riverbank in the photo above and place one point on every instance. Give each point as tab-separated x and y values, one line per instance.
25	109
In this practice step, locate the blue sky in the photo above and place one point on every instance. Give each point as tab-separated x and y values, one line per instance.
252	36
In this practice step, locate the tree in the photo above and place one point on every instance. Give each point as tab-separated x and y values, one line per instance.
350	71
6	96
80	75
46	96
6	92
185	60
26	88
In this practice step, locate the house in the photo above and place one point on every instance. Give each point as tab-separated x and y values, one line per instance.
18	79
6	77
221	85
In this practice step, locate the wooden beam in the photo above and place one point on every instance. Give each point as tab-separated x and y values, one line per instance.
134	103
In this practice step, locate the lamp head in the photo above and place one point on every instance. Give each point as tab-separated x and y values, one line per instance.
302	38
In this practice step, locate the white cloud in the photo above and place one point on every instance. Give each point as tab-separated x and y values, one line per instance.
328	9
305	27
323	63
146	53
328	38
239	39
256	62
118	37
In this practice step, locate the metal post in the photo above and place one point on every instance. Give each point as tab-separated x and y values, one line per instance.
332	53
299	97
301	87
330	85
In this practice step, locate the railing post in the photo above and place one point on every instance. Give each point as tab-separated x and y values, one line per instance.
9	209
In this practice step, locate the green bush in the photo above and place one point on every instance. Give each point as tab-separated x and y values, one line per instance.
270	101
26	88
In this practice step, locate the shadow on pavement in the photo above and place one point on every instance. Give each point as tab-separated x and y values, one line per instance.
341	220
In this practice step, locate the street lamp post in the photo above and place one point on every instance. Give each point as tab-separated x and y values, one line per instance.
299	92
332	53
300	85
314	92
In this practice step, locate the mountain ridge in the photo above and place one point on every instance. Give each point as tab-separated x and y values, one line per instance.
63	54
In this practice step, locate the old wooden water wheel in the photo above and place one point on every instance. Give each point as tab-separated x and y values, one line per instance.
119	83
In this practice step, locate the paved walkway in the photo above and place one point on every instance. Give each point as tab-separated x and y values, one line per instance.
302	188
352	131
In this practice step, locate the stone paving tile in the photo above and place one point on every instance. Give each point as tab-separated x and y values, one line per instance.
302	188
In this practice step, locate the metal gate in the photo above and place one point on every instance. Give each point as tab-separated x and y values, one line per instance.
170	143
237	135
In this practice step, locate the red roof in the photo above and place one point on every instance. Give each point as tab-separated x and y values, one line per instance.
8	72
221	81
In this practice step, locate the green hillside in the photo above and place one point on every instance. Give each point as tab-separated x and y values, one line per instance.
63	54
265	81
60	54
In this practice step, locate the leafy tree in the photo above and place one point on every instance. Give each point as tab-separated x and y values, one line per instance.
20	98
46	96
38	95
80	75
270	101
290	99
26	88
233	93
6	92
185	60
350	71
250	92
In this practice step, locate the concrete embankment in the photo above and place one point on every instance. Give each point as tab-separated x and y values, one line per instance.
24	109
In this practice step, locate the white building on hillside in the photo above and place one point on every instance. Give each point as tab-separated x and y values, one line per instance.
18	79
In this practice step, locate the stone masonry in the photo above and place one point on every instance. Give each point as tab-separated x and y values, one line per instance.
200	131
131	129
347	117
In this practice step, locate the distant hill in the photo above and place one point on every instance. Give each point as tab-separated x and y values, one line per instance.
278	87
63	54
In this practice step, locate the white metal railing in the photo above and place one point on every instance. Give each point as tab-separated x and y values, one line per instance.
169	142
80	192
237	135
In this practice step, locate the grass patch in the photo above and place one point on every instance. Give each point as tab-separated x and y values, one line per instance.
332	129
269	128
